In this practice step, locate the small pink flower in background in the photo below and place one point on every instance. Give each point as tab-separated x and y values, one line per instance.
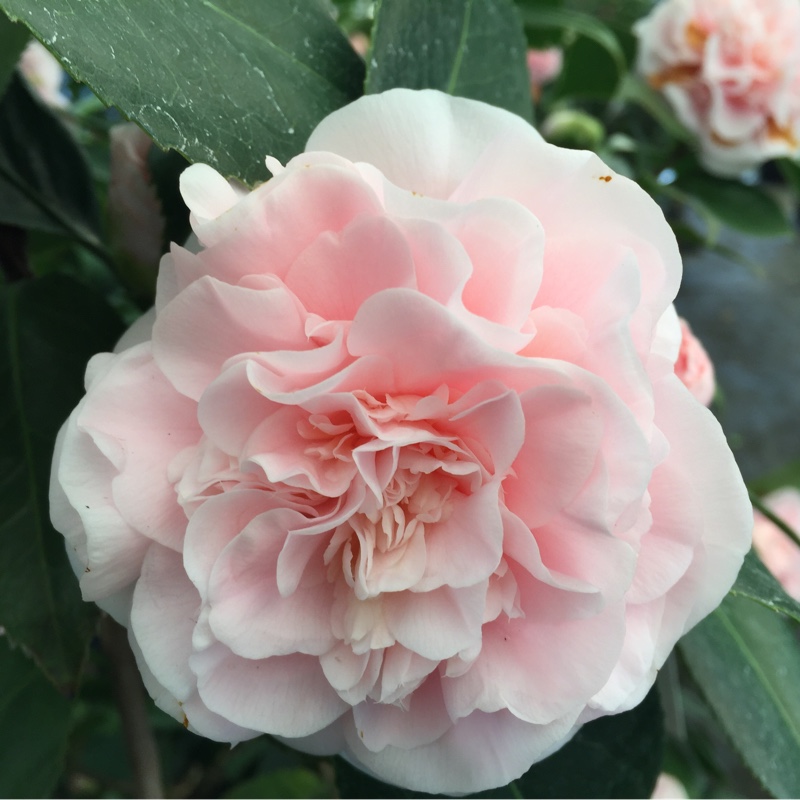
137	221
668	787
393	467
779	553
360	43
544	66
731	70
694	367
44	74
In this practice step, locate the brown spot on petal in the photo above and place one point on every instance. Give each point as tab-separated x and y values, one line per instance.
721	141
785	134
695	37
680	73
185	721
605	178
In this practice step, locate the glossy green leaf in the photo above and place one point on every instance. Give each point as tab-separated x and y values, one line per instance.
470	48
544	16
48	330
755	582
744	208
13	38
589	72
44	178
747	663
225	82
34	726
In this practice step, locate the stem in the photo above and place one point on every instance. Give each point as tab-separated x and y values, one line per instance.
141	743
774	518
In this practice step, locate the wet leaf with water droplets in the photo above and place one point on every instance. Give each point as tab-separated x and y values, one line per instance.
469	48
226	82
746	661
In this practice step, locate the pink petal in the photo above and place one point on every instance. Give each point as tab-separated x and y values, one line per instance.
505	244
338	271
215	524
700	465
482	751
464	549
191	712
284	696
439	623
105	551
269	228
207	194
279	449
423	721
430	159
540	670
211	321
143	423
562	436
165	608
248	612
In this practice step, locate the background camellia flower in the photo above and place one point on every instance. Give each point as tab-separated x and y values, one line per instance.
399	466
694	367
43	72
731	70
779	553
544	66
137	220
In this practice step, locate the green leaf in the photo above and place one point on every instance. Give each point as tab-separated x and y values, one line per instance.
618	756
13	38
755	582
470	48
542	16
745	208
226	82
44	178
790	169
589	72
287	783
48	330
34	726
747	663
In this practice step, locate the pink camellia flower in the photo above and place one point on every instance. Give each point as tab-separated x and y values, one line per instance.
779	553
43	72
137	221
544	66
694	367
731	70
399	465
